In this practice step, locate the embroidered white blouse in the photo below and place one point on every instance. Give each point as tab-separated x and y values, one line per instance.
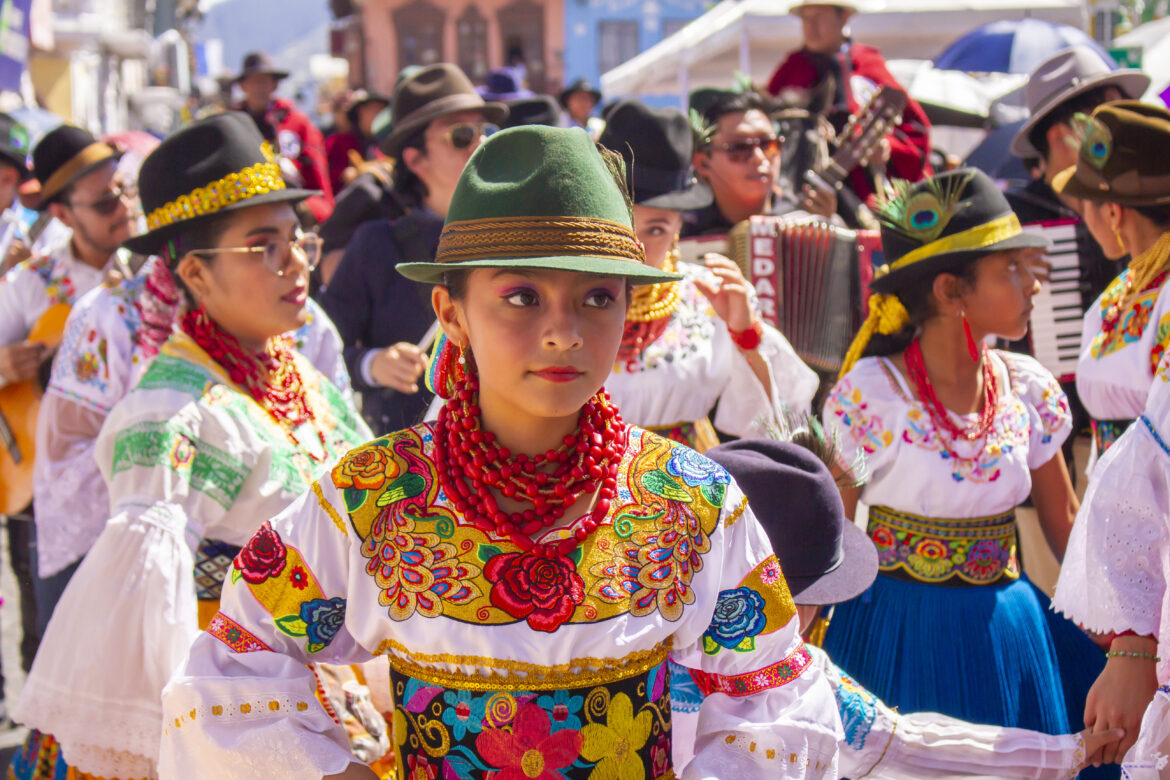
376	561
694	364
1117	565
185	455
877	416
101	358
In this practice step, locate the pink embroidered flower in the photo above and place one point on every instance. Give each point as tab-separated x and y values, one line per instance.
660	757
529	750
771	573
418	767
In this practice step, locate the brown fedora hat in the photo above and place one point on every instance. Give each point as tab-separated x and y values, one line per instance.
432	92
1118	160
1064	76
259	62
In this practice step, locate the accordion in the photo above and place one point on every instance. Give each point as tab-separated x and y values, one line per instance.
811	278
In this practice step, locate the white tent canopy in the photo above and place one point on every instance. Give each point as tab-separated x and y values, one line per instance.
1154	39
752	36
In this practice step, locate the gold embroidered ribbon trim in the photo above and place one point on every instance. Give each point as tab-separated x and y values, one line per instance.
496	674
976	551
977	237
519	237
94	153
254	180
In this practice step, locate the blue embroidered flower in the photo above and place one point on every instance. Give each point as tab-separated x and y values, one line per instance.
694	469
323	619
464	713
858	710
739	616
685	695
562	709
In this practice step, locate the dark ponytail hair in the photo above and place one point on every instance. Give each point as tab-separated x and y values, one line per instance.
918	298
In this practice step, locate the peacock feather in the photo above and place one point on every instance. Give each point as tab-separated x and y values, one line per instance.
1095	139
922	210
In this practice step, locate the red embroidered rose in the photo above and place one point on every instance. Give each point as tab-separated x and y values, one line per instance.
545	591
263	557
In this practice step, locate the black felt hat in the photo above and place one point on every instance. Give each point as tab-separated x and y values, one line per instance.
14	145
63	156
361	98
939	224
433	92
536	110
657	145
579	85
259	62
210	167
826	559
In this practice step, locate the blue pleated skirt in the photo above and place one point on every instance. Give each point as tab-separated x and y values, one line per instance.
990	654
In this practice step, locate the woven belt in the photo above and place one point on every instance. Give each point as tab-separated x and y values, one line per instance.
1107	432
699	435
972	551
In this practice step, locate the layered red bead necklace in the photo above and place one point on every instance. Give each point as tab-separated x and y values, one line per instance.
271	377
916	367
470	463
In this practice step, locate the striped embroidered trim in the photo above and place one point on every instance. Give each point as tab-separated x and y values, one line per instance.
329	510
497	674
517	237
749	683
736	513
235	636
1154	432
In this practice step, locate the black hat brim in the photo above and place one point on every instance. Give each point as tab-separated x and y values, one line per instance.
152	242
18	160
279	75
852	577
564	96
697	196
117	155
948	262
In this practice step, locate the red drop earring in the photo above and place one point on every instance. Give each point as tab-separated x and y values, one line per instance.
972	349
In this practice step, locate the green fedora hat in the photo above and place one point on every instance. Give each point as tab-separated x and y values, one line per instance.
538	197
1119	161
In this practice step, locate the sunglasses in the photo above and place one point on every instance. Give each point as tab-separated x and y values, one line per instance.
465	134
109	203
276	254
744	150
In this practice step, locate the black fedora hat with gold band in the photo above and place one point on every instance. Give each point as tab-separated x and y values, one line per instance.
1122	156
935	226
63	156
211	167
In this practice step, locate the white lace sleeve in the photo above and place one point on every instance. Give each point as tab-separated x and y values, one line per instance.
1113	577
1149	758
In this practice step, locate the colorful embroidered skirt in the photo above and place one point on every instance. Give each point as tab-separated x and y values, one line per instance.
39	758
992	654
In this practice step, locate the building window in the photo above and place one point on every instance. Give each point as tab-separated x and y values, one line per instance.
617	41
522	35
471	31
671	26
420	33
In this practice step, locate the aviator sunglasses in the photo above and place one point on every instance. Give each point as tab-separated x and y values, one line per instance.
464	134
744	150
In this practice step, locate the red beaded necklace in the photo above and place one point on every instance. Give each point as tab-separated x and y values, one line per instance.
470	463
916	367
270	377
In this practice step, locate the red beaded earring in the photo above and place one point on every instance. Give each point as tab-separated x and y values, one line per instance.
972	349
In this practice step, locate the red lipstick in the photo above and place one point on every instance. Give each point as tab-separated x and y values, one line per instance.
559	373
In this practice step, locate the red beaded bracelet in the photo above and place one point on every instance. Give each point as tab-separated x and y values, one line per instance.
749	339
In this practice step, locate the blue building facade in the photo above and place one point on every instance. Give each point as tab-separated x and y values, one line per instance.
601	34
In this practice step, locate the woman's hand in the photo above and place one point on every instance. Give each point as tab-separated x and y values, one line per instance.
1119	697
1095	741
732	296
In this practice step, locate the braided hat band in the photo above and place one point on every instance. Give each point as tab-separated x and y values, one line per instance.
526	237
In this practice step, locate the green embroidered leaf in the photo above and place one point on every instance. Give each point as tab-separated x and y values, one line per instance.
236	576
661	484
292	625
488	551
408	485
710	646
623	525
354	498
714	494
315	647
747	645
575	556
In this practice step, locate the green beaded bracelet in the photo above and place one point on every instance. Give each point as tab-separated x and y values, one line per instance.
1132	654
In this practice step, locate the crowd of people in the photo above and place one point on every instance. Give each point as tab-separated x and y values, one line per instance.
417	449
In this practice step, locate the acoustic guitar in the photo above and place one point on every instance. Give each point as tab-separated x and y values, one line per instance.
20	403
